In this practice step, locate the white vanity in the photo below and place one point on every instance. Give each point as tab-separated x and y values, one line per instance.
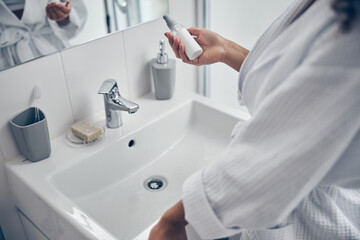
117	188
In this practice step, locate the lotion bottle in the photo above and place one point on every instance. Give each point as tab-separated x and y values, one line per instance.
192	48
163	74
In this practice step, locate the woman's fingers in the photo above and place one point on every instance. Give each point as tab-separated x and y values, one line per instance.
194	31
176	47
52	14
182	53
61	15
170	38
64	8
48	12
172	43
184	57
179	49
58	12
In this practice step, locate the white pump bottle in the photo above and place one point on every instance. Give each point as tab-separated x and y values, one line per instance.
192	48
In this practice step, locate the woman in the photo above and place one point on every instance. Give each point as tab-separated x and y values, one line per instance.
29	29
293	170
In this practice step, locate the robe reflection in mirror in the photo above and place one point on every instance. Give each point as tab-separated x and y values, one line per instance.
34	34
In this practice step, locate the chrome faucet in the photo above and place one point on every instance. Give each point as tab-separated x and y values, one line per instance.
114	104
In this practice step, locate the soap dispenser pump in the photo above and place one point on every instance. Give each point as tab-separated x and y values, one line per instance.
163	74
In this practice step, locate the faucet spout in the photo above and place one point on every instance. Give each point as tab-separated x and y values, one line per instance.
120	103
115	103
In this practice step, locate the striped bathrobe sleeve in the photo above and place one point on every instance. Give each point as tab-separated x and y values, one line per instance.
295	136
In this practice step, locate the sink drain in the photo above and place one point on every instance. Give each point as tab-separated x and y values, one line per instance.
155	183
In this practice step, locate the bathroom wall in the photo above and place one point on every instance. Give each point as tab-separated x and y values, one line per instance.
239	21
69	82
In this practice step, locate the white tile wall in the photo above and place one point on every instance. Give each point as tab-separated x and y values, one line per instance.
69	82
87	66
186	76
16	91
245	28
185	13
141	45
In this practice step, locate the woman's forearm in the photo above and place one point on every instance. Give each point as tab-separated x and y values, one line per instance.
176	214
234	54
216	49
172	224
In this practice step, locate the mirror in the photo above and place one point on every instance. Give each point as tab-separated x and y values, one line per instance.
31	29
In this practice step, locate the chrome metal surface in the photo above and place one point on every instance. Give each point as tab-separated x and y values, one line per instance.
115	103
162	56
155	183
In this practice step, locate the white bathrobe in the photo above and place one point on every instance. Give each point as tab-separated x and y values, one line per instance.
35	34
293	170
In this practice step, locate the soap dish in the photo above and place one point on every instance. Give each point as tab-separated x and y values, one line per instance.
79	141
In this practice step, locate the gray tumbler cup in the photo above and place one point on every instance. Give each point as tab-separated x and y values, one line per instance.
31	134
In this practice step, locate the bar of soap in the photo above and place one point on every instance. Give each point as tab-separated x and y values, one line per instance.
86	131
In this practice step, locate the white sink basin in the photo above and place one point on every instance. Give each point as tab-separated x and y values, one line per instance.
97	192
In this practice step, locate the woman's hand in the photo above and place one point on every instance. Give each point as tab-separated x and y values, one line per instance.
215	49
59	12
211	43
171	226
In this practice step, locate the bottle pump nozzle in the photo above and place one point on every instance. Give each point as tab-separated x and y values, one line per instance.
192	48
169	21
162	56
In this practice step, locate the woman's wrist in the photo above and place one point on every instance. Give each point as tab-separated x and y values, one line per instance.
171	225
64	21
175	215
234	54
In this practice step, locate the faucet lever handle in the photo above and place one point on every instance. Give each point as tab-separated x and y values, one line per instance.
107	86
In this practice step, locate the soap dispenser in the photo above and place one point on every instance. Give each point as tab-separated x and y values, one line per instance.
163	74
